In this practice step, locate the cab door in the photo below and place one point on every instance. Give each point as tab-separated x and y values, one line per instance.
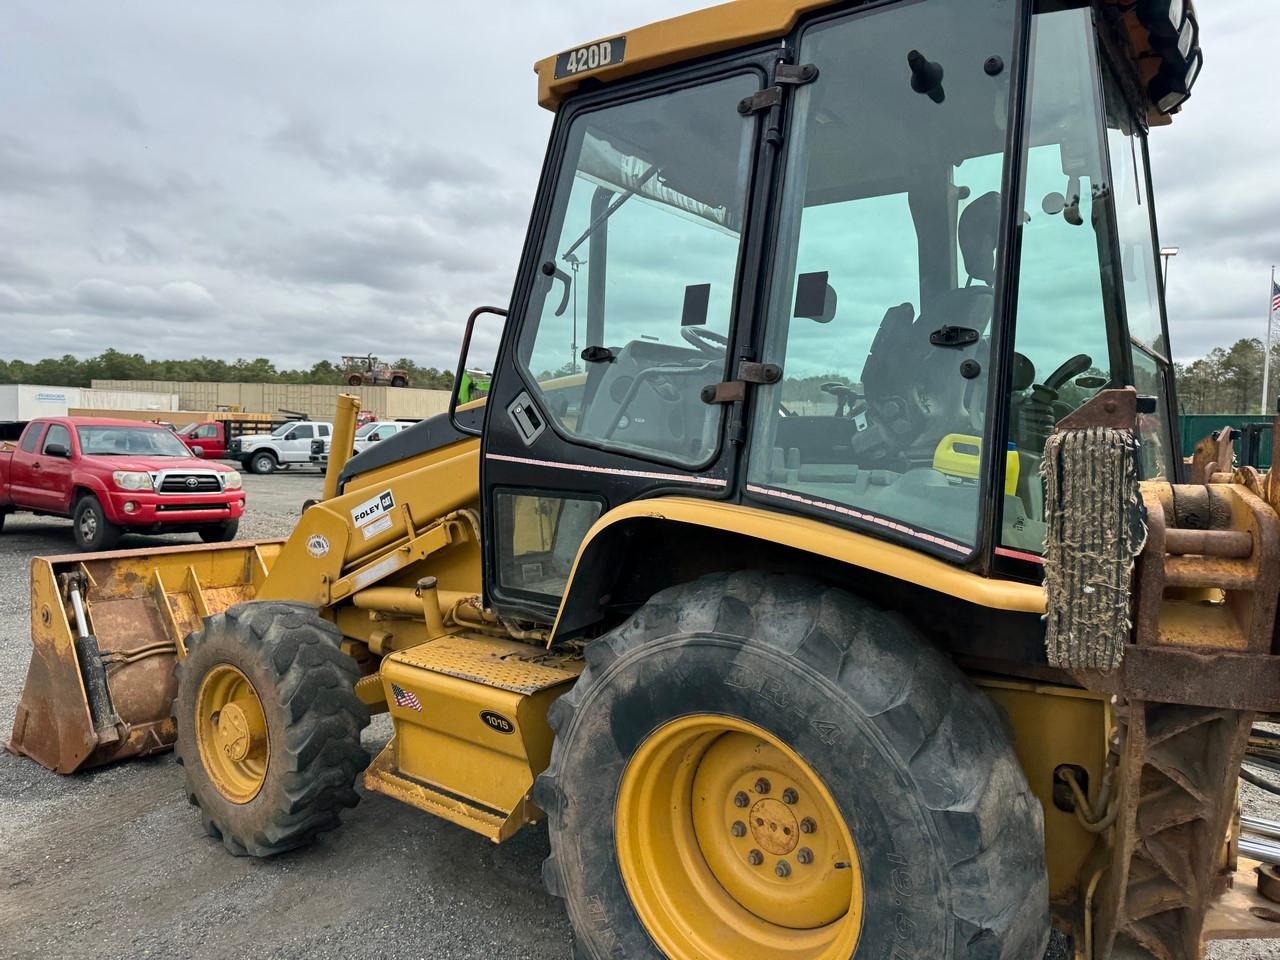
628	302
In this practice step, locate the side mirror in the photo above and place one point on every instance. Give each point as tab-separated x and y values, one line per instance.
464	361
197	451
57	450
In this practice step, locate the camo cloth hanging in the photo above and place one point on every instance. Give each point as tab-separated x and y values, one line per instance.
1095	528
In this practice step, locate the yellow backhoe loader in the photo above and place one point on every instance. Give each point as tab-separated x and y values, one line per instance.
836	589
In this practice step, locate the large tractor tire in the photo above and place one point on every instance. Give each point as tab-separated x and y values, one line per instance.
756	765
269	726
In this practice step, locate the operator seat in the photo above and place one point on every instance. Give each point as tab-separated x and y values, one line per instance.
914	391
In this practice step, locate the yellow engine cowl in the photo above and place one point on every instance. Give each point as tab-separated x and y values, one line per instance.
471	734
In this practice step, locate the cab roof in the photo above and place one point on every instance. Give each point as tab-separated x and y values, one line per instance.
739	23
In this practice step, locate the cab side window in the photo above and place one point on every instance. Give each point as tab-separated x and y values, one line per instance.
58	434
31	437
631	315
206	432
304	432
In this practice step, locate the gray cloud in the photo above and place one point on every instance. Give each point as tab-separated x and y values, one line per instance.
402	165
234	179
179	298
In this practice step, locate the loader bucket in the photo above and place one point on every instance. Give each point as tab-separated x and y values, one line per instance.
106	630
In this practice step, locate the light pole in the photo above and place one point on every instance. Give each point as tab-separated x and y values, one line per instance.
1167	254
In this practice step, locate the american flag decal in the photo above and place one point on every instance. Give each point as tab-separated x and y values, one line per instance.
405	698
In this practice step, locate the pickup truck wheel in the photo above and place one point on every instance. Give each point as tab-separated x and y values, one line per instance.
92	529
399	382
262	463
223	532
355	380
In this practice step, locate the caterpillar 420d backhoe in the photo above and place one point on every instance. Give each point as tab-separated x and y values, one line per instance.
835	588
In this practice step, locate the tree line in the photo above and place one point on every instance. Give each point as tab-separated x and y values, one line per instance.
1226	380
69	371
1229	380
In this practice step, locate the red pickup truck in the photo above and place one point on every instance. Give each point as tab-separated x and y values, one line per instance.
117	476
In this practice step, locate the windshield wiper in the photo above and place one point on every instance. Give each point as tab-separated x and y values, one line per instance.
611	210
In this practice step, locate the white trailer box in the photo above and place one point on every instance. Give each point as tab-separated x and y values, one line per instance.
23	401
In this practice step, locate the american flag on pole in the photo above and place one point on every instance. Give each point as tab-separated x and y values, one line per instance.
405	698
1275	297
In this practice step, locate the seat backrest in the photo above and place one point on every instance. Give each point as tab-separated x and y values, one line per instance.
913	387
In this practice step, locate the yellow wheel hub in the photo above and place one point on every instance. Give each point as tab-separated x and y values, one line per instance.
731	846
231	733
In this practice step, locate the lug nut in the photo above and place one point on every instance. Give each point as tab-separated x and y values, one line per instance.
755	858
808	826
804	855
763	786
740	799
739	828
783	869
790	796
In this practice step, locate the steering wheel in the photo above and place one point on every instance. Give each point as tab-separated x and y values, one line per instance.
844	394
1072	368
707	341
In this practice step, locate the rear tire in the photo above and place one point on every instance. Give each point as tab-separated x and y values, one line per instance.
399	382
262	463
355	380
223	532
90	526
916	766
311	753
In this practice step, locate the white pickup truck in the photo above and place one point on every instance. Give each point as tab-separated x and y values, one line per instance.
284	446
366	436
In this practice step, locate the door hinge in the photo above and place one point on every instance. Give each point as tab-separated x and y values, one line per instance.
784	74
732	391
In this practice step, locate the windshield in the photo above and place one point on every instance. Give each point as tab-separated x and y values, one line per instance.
281	430
883	289
189	429
367	429
112	441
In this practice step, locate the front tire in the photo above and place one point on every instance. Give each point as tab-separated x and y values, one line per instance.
728	708
399	382
90	526
223	532
262	463
269	726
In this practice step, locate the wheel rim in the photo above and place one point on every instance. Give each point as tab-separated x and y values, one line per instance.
264	464
231	733
731	846
88	525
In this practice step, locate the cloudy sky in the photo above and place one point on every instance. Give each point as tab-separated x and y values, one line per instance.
299	179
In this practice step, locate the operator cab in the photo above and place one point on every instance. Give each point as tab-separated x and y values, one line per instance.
861	286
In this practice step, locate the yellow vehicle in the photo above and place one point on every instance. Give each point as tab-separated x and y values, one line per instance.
801	602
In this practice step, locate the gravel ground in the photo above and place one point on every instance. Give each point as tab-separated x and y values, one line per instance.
114	862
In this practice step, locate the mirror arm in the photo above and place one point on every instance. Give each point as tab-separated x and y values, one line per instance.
462	367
